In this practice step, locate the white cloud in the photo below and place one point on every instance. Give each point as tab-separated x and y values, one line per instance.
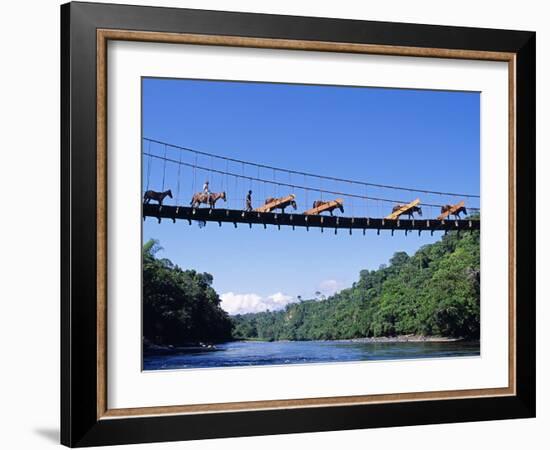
330	287
250	303
280	299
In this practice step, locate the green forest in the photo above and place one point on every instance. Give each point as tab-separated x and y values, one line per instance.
179	306
434	292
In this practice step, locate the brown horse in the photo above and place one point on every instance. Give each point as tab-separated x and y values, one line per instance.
282	206
157	196
410	212
207	199
337	204
457	213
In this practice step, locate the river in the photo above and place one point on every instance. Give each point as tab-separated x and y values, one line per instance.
256	353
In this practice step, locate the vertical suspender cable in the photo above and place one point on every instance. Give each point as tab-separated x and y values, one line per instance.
366	203
226	176
290	183
307	192
164	167
258	185
352	212
241	199
236	185
150	161
179	173
211	174
194	175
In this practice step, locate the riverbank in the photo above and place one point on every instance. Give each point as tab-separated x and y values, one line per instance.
405	338
199	347
373	340
155	349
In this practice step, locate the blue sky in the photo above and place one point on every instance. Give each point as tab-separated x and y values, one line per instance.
422	139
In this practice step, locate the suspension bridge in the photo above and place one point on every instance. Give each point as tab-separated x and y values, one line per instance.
251	193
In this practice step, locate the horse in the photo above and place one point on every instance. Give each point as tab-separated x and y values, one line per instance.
410	212
338	205
157	196
208	199
462	209
282	206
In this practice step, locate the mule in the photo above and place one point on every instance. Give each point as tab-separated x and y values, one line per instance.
410	212
282	206
207	199
157	196
457	213
337	205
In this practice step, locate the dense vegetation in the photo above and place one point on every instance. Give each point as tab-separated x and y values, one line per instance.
179	306
433	292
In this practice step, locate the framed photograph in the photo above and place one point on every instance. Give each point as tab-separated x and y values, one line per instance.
276	224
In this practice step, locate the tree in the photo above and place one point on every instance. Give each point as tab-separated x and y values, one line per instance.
433	292
179	306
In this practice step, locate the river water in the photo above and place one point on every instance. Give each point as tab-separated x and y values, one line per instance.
253	353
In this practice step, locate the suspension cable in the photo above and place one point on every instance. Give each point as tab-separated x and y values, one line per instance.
294	186
297	172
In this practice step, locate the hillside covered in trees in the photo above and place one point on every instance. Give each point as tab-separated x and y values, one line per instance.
435	292
179	306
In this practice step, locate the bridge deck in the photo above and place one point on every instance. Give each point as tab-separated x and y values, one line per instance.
300	220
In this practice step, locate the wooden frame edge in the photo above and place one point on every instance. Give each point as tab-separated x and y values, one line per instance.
512	199
289	44
304	403
103	36
101	224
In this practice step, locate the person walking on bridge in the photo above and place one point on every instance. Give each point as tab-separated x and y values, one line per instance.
248	201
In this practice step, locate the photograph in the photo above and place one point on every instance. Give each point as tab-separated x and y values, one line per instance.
293	224
281	223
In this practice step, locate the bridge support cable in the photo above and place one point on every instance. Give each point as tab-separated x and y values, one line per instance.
149	162
164	167
178	182
312	175
287	185
194	183
326	189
